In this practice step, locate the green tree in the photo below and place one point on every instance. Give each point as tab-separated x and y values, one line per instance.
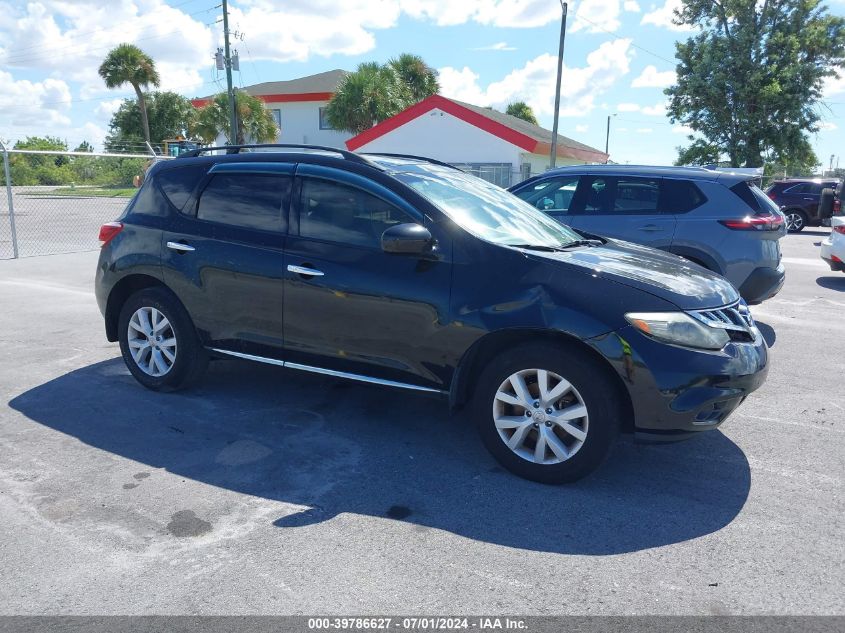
84	146
127	63
255	123
169	115
375	92
749	81
521	110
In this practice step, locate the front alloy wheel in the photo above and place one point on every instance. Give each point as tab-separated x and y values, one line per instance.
152	341
794	222
540	416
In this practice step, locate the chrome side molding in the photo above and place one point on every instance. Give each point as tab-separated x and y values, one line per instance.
327	372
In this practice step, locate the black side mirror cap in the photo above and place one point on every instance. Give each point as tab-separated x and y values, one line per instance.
408	239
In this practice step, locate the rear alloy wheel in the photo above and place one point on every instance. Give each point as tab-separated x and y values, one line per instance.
548	413
158	341
795	221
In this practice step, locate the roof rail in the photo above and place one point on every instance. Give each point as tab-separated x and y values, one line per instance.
236	149
412	157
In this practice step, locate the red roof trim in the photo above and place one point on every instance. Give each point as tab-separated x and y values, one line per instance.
436	101
285	98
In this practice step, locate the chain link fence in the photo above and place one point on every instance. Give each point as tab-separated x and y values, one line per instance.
55	202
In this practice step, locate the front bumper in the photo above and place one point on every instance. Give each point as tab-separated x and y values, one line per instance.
677	392
763	283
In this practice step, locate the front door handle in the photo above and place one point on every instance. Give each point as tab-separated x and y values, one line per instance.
810	199
305	272
180	247
651	228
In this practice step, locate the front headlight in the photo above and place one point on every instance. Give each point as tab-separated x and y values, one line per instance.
678	328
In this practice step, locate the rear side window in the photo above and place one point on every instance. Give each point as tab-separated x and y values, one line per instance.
802	187
251	201
621	195
179	183
338	213
680	196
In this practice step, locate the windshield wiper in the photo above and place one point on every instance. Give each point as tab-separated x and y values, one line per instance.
537	247
582	243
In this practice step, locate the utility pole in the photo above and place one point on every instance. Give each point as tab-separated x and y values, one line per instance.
227	61
564	7
607	139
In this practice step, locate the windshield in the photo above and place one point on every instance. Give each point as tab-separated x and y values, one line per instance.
486	210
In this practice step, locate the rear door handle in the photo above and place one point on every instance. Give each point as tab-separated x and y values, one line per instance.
810	199
651	228
307	272
180	247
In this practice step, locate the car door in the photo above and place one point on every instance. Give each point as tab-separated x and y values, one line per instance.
224	256
623	207
351	307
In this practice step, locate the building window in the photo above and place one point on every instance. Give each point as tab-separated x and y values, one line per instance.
324	120
277	117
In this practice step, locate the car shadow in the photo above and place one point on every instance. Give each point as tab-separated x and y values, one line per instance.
833	283
335	447
768	332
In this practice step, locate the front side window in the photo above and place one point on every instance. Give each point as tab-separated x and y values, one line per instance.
485	210
339	213
553	196
250	201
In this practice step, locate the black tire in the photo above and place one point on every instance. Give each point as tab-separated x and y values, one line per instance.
592	383
191	359
796	220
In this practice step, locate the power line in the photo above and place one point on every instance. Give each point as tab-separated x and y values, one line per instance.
617	37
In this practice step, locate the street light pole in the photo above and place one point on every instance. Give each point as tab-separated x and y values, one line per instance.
607	139
227	61
564	7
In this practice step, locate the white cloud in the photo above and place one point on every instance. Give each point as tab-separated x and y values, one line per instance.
502	13
653	78
664	16
106	109
620	129
631	6
597	16
658	109
833	85
498	46
27	103
644	130
628	107
682	129
827	126
534	83
582	128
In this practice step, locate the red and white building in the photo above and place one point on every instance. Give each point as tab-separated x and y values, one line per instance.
496	146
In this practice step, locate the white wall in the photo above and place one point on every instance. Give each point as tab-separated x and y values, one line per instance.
439	135
540	162
301	124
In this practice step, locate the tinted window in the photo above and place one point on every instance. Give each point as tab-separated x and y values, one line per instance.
338	213
179	183
149	201
622	196
555	194
680	196
754	197
803	187
252	201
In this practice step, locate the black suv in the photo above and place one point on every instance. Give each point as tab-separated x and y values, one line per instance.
800	200
409	273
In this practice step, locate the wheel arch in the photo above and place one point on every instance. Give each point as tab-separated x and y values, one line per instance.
697	257
488	346
120	292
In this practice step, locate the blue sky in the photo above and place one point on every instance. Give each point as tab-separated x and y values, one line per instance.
619	57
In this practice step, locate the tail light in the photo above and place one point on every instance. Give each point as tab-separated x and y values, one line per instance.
771	195
108	232
767	222
837	206
840	228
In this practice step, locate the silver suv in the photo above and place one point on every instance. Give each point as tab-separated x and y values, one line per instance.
721	221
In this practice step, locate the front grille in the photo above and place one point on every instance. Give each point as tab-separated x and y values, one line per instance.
736	319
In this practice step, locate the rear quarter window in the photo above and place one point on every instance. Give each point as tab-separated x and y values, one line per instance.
179	183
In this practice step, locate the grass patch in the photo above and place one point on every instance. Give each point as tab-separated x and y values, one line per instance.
87	192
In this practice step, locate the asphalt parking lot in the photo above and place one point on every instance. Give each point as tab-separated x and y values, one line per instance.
267	491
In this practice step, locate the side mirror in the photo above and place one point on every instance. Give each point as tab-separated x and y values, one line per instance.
408	239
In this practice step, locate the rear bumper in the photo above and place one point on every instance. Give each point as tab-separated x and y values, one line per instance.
763	283
677	392
826	252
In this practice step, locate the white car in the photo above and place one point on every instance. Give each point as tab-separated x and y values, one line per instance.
833	248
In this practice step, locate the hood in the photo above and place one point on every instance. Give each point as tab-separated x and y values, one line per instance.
687	285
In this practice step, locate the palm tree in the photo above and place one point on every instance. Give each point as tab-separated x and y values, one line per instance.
415	77
255	122
521	110
127	63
